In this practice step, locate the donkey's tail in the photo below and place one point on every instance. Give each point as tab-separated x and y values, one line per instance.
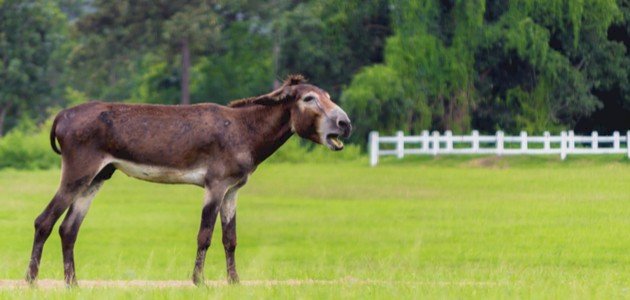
53	136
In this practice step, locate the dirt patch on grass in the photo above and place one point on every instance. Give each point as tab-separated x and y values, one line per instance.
60	284
490	162
50	284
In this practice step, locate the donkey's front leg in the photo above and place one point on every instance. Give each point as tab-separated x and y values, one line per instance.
212	204
228	224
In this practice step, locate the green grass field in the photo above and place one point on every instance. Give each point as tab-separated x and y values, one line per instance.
425	228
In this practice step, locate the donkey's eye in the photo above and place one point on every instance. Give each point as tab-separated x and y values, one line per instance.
309	98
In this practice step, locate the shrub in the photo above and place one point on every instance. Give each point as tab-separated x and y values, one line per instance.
27	147
295	151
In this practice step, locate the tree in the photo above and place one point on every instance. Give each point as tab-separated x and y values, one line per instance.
328	41
125	44
238	65
241	67
431	56
30	34
118	34
376	97
510	65
547	60
261	42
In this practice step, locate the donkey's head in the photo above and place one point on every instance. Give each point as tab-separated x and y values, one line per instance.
314	115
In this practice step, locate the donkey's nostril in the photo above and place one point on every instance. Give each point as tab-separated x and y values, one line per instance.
342	124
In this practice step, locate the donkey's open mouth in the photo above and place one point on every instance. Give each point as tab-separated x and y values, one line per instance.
333	142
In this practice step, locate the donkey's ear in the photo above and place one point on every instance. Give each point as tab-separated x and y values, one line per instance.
287	88
294	79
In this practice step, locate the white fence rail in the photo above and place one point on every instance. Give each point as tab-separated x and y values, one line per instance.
435	144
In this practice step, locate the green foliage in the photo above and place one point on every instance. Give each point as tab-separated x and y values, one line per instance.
329	40
376	99
511	65
237	70
194	21
551	47
158	84
75	97
28	147
395	65
116	37
31	34
431	57
295	151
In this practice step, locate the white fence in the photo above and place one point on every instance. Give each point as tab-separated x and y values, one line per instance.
499	144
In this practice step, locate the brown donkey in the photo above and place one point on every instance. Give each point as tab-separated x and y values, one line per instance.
209	145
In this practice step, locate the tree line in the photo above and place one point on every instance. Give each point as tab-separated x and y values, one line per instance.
407	65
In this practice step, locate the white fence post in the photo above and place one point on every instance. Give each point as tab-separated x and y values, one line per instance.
616	140
563	145
594	141
499	142
475	141
523	141
374	144
449	141
547	142
628	142
400	144
436	142
425	141
571	140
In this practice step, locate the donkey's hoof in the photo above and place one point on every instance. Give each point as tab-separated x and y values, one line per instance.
198	280
31	280
233	279
71	284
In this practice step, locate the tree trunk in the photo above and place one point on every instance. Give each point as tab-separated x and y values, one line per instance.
185	73
3	114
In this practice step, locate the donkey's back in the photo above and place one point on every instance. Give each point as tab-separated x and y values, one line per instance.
159	135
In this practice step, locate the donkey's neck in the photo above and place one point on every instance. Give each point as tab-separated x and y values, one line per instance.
269	127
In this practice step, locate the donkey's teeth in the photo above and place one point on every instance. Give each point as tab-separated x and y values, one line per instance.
338	143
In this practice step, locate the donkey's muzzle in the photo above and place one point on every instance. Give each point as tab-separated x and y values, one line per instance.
344	125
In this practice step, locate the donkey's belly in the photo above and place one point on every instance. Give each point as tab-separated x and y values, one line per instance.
161	174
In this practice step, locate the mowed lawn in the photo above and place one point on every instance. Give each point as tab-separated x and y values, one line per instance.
424	228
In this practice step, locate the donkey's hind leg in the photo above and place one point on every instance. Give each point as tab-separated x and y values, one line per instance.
69	228
43	226
75	179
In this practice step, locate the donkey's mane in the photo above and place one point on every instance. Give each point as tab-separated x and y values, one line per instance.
244	102
274	97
